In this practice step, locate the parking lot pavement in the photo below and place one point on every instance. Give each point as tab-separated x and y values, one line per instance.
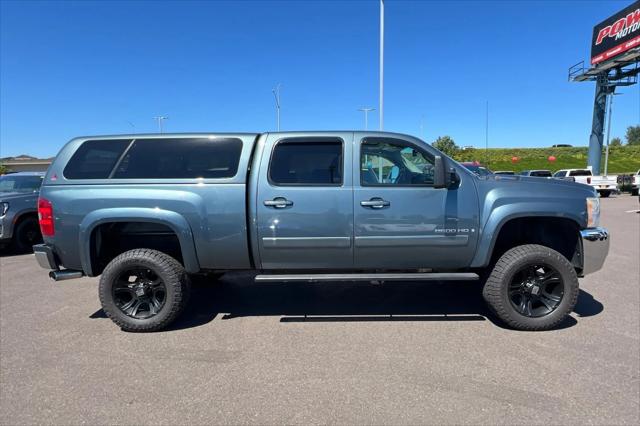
393	354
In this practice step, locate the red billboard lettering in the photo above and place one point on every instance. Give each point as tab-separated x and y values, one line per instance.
633	18
603	33
615	29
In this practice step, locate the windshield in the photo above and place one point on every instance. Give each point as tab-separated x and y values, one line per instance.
9	183
479	170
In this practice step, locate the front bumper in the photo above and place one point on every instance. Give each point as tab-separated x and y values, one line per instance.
595	247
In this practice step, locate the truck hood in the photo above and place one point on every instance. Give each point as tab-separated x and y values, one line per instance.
514	196
528	183
8	196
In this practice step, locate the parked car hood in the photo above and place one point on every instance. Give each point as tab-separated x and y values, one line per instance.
7	196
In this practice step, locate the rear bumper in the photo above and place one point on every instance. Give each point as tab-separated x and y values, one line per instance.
595	247
45	256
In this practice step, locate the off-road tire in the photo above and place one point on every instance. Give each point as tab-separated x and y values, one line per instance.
176	280
495	290
634	191
26	234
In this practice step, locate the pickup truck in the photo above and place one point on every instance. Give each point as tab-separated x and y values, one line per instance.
18	210
146	212
636	183
605	185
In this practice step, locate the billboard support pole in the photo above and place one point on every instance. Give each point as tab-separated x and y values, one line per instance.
597	125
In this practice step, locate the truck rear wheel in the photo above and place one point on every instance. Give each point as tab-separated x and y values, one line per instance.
605	194
143	290
532	287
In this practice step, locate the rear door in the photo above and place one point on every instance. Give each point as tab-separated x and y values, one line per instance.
401	220
304	202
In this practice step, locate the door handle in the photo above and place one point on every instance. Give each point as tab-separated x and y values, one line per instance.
375	203
278	203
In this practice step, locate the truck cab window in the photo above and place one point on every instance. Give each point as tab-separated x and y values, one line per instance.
306	163
391	162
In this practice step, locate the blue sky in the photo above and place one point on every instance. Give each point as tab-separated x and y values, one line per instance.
82	68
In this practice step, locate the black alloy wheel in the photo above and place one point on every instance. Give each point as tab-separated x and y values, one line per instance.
536	290
139	293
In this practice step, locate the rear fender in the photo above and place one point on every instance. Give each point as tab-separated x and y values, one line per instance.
173	220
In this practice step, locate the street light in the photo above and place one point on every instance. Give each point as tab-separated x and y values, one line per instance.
381	65
276	95
366	115
160	119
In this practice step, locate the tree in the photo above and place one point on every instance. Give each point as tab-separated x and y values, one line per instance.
446	145
633	135
616	142
3	169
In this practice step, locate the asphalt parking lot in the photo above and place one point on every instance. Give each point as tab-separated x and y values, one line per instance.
399	353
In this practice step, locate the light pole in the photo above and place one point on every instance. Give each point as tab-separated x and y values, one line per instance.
276	95
381	110
366	116
486	137
160	119
606	152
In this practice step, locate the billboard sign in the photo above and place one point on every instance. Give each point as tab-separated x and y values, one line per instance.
616	34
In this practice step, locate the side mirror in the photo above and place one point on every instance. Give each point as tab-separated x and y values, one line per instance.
440	173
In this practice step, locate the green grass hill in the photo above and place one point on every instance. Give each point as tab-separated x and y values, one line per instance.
622	159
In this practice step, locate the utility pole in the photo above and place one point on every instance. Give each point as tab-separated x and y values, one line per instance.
381	106
606	152
366	115
276	94
160	119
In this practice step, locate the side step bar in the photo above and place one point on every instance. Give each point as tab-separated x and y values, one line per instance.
420	276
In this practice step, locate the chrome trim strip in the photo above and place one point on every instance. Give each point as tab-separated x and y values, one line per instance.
412	241
306	242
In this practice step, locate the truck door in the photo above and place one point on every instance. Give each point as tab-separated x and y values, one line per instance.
304	202
401	220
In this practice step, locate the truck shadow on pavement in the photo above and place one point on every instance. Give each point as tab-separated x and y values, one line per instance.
237	296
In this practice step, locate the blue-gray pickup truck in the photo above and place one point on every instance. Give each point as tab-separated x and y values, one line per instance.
144	212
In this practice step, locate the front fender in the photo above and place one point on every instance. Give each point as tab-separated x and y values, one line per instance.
173	220
500	215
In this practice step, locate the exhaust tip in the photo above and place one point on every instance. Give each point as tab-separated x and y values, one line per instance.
67	274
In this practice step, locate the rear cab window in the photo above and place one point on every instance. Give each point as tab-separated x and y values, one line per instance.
95	159
156	158
585	172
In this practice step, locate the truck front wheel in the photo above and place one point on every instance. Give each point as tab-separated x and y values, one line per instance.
532	288
143	290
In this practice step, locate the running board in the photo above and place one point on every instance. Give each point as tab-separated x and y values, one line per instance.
423	276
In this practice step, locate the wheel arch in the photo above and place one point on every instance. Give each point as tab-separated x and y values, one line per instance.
500	224
174	221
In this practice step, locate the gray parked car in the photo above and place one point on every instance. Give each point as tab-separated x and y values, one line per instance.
18	209
146	211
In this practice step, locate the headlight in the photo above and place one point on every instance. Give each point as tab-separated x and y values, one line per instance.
593	212
3	208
